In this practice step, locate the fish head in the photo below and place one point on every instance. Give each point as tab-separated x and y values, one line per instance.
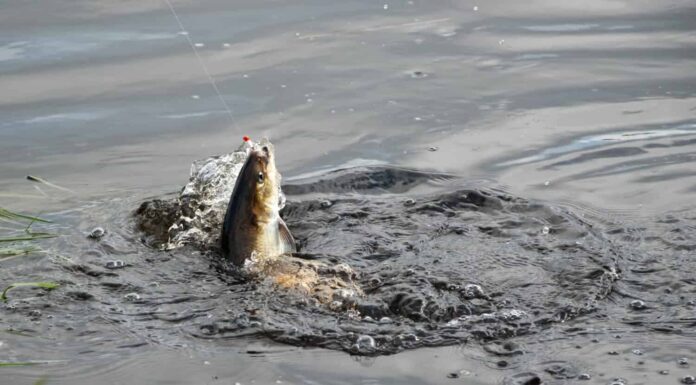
263	181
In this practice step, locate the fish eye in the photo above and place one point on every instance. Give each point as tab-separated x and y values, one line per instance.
260	177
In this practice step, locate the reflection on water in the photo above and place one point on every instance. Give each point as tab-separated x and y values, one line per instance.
584	110
603	140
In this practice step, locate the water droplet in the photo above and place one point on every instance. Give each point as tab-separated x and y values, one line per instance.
199	45
245	76
183	33
637	352
386	6
689	380
117	264
195	97
309	100
501	41
385	320
226	45
476	8
547	183
283	86
545	230
584	377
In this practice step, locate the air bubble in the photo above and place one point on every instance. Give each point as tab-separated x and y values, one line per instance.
132	297
364	342
584	377
545	230
638	305
689	380
473	291
97	233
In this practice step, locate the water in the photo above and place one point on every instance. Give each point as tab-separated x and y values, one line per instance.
512	182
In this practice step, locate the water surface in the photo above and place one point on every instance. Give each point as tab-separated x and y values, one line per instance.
582	114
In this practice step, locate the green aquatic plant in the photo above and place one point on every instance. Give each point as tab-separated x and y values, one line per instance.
43	285
5	364
8	252
9	215
28	236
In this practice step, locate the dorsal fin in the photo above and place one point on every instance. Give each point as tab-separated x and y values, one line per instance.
287	242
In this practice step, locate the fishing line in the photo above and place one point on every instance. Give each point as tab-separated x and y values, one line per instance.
185	33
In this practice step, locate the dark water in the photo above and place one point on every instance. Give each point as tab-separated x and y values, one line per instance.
515	189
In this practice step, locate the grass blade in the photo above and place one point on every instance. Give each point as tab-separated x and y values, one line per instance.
7	214
43	285
30	237
47	183
13	251
6	364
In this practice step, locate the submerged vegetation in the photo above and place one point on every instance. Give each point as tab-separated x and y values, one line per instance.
22	235
43	285
20	243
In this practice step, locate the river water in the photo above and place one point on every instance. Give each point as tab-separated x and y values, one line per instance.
513	183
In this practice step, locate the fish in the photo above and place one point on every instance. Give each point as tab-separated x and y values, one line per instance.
253	228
